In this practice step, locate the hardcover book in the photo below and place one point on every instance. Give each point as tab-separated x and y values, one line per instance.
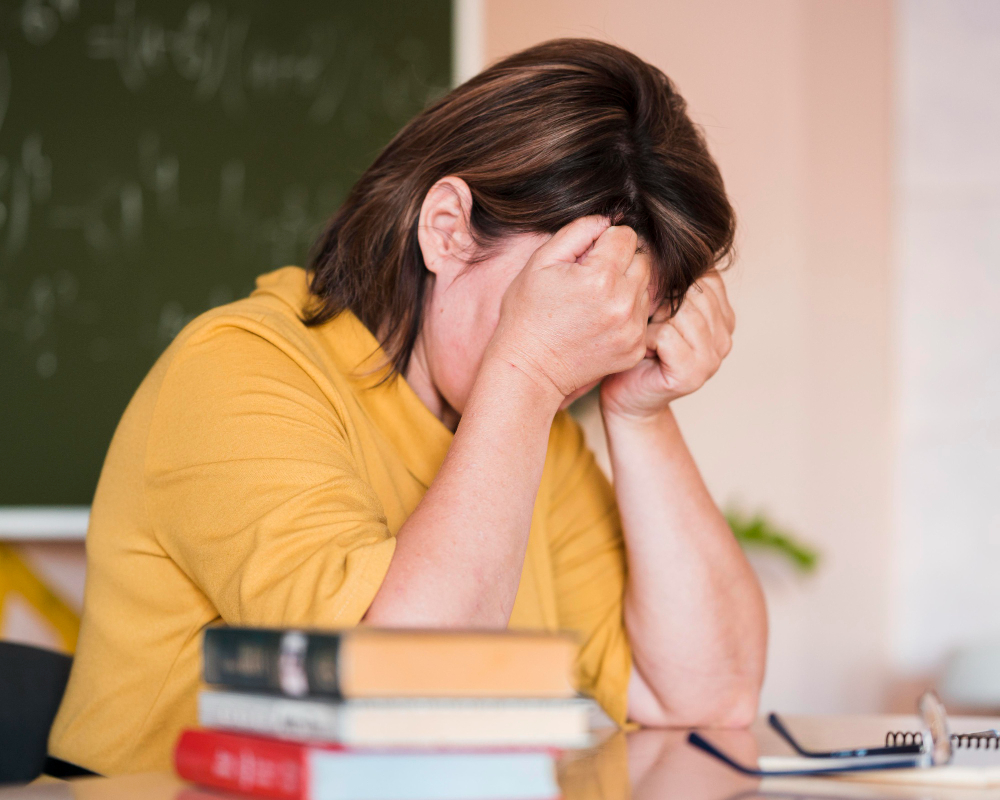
296	771
404	722
376	662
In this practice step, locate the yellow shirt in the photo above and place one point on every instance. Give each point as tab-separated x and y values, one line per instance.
258	477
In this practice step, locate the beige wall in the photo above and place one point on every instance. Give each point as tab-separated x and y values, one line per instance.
794	97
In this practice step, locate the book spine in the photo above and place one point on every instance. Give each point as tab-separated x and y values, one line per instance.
287	662
269	715
243	764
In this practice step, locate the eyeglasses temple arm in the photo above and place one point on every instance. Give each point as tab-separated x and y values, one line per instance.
779	727
703	744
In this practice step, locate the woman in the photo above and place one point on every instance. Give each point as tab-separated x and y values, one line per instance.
380	440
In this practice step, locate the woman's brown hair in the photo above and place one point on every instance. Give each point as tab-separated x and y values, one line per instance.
568	128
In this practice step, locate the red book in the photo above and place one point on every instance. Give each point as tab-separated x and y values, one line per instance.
287	770
248	764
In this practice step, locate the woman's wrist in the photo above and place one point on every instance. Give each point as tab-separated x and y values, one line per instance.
616	419
516	378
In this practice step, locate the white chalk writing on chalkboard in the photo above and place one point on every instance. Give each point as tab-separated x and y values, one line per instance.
24	183
113	218
40	19
114	215
209	49
33	321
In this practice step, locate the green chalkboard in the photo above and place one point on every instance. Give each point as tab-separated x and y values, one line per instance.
155	157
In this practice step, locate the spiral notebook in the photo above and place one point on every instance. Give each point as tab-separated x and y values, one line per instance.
975	764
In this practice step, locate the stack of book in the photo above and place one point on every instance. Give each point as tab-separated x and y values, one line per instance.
375	714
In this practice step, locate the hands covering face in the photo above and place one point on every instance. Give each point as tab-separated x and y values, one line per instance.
578	311
681	352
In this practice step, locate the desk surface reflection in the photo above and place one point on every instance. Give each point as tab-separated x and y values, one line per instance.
640	765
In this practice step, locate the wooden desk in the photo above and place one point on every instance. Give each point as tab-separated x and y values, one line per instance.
642	765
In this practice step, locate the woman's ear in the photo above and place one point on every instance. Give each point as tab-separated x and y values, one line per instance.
444	229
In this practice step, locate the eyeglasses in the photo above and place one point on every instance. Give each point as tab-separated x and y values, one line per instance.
932	748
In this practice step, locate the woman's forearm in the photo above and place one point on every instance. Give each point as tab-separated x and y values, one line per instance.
459	555
693	607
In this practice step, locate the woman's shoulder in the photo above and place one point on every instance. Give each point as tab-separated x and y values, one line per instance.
273	317
255	348
260	336
249	374
272	312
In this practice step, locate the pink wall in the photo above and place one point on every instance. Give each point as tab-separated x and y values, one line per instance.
795	101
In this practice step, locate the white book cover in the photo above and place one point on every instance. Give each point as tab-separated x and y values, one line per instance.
404	722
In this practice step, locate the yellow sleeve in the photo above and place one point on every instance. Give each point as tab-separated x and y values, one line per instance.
251	487
588	555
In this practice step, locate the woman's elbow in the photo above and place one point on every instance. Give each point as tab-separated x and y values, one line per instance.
717	707
736	708
739	712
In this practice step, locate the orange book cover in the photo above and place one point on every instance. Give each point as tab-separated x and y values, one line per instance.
378	662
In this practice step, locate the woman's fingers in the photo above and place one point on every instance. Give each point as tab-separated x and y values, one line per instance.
713	281
703	298
589	271
615	247
694	328
664	341
660	314
683	350
641	308
615	258
708	303
640	267
573	241
639	272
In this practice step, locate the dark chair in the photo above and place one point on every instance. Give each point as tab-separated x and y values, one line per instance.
32	682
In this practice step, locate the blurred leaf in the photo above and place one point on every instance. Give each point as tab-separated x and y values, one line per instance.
758	532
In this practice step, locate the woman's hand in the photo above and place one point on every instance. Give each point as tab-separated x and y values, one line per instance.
681	353
578	310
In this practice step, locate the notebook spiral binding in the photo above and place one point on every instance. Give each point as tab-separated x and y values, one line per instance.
901	738
977	741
